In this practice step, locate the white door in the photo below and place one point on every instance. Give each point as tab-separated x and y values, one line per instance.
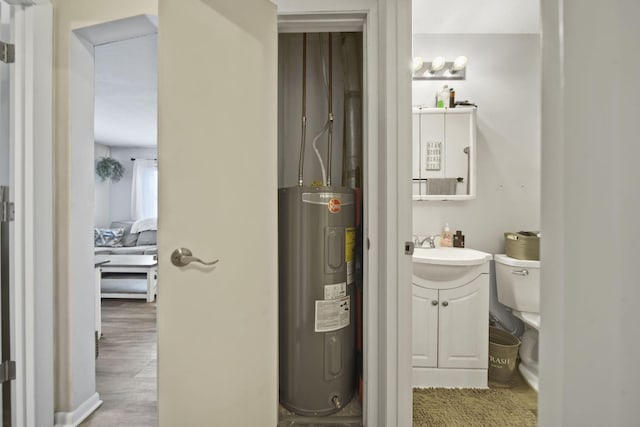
463	334
217	343
5	245
424	327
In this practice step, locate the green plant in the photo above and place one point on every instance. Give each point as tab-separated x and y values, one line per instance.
109	168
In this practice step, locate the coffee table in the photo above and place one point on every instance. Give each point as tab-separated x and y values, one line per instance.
147	264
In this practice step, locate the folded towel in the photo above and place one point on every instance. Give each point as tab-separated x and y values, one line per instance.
441	186
144	225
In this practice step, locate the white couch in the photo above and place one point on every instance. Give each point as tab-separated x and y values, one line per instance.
142	243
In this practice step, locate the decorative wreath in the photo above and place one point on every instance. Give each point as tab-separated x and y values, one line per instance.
109	168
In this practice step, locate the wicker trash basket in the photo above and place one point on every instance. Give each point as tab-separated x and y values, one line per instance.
522	245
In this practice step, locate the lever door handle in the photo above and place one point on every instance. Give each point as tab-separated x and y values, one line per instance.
523	272
183	256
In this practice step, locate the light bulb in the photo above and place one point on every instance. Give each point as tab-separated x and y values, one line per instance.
437	64
418	62
459	63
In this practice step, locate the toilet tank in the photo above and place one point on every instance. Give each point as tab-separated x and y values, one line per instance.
518	283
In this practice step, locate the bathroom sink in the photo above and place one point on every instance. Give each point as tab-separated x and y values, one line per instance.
446	264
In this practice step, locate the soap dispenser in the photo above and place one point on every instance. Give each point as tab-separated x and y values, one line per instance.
447	240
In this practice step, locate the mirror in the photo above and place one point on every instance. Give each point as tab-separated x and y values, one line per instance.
444	148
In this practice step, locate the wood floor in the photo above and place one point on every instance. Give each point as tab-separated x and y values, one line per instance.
126	367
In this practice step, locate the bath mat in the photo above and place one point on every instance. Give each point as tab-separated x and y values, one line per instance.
442	407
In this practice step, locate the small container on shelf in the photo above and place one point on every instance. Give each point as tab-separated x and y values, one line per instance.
458	239
447	240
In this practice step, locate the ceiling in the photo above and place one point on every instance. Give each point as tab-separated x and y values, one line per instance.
126	92
476	16
126	97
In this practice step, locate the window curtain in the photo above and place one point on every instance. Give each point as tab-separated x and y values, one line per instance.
144	189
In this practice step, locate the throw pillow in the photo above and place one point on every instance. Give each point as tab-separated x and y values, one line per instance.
148	237
108	236
128	239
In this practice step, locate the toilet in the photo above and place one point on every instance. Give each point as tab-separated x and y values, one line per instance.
518	285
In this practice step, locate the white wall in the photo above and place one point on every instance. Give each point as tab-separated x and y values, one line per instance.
589	347
120	194
81	237
476	17
43	228
290	108
102	190
503	79
73	123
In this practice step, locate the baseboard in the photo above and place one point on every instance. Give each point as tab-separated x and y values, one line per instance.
449	378
72	419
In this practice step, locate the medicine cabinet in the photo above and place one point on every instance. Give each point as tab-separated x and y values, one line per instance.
444	153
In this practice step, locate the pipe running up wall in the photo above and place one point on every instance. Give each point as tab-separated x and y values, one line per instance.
352	140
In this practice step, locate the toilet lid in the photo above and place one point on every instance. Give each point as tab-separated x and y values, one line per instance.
513	262
531	319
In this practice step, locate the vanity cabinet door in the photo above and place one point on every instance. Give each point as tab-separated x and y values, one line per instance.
463	329
425	327
432	146
458	129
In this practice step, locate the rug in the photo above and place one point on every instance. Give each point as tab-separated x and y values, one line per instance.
441	407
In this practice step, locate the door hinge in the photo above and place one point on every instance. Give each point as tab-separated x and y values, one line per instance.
7	53
7	371
7	212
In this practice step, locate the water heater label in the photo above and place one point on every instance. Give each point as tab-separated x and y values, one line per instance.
338	290
332	315
349	250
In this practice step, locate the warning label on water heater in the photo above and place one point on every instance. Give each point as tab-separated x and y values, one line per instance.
332	315
350	246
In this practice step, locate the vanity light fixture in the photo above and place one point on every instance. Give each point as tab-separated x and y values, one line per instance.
440	69
417	64
460	63
437	64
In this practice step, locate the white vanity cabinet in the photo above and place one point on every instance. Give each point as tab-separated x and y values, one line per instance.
451	331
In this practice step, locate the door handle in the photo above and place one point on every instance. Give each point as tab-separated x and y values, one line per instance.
523	272
183	256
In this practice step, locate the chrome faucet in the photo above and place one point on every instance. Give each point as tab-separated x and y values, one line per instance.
431	240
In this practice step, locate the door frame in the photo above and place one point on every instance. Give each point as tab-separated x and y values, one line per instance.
76	393
31	190
387	396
